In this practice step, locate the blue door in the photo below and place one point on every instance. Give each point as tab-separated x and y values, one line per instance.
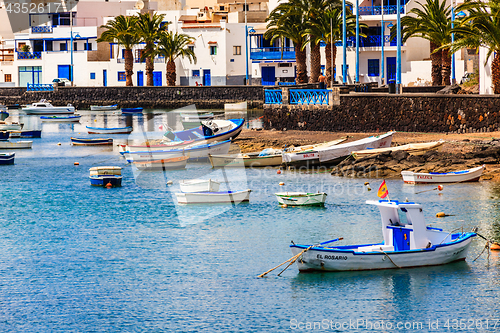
63	71
207	80
104	78
140	78
156	79
391	68
268	76
401	239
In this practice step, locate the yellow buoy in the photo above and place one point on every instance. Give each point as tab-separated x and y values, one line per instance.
440	214
366	183
284	206
368	188
281	184
58	143
495	247
76	163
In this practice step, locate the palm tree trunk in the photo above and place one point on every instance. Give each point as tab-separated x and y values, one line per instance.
495	73
300	56
171	74
150	65
436	65
446	69
315	63
129	67
331	56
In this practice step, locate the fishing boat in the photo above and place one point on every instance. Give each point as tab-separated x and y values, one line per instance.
16	144
234	197
13	106
4	135
161	146
165	164
103	130
10	126
332	155
103	107
469	175
211	130
327	144
268	157
408	242
301	198
412	149
7	158
199	185
26	134
107	176
132	110
44	107
195	153
191	120
60	119
241	106
91	142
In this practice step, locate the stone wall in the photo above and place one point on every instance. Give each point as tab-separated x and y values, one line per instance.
382	112
213	97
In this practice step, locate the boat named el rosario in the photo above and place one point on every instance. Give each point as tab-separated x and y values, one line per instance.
409	243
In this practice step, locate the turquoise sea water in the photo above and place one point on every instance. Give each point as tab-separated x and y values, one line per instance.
85	259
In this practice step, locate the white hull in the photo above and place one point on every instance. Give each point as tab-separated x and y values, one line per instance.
50	110
10	127
16	144
105	170
412	149
103	107
199	185
245	160
325	259
335	153
469	175
119	130
241	106
61	120
172	163
164	146
225	126
212	198
301	198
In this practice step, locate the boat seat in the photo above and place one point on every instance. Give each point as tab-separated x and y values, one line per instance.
376	248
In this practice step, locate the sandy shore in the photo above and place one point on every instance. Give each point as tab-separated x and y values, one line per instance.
458	147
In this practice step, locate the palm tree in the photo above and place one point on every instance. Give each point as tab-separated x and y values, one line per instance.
150	29
121	30
431	22
172	46
482	28
281	26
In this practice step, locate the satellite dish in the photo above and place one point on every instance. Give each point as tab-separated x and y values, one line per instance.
139	5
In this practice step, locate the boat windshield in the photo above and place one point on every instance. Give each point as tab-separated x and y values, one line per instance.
404	219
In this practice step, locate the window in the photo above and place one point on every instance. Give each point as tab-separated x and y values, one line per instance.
49	45
213	50
8	78
92	76
63	47
20	46
88	47
237	50
196	72
122	76
232	60
75	46
191	48
373	67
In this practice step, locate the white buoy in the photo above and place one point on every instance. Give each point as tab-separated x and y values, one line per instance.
170	182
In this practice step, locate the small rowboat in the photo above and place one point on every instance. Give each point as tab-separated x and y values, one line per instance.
26	134
132	110
103	107
16	144
241	106
214	197
10	127
412	149
91	142
106	176
165	164
161	146
301	198
7	158
191	120
60	119
469	175
199	185
245	160
116	130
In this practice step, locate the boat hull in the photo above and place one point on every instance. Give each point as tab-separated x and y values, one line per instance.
16	144
241	106
7	158
214	197
10	127
165	164
172	145
26	134
103	107
301	199
117	130
331	259
199	185
91	142
244	160
57	119
52	110
412	149
469	175
103	181
229	130
131	110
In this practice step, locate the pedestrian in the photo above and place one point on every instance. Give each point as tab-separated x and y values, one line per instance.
322	81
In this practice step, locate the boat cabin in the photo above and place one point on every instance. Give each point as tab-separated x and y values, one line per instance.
404	228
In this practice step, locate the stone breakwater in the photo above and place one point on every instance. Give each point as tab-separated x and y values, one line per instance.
383	112
213	97
390	164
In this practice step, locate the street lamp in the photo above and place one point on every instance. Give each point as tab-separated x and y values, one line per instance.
398	58
357	41
246	44
382	45
460	15
344	45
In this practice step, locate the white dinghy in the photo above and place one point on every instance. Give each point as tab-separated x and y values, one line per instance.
469	175
234	197
199	185
409	243
301	198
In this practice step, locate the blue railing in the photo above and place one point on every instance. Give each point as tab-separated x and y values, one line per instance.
40	87
271	53
273	96
371	41
29	55
309	96
41	29
286	83
377	10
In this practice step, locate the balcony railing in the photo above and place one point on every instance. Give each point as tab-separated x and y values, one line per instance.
377	10
29	55
309	96
40	87
371	41
273	96
272	53
41	29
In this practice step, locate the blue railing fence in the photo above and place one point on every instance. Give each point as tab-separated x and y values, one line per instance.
40	87
377	10
272	53
273	96
29	55
298	96
41	29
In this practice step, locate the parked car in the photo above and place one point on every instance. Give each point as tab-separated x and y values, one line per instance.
62	82
467	77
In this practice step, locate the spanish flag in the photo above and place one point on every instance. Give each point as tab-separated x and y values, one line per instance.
382	190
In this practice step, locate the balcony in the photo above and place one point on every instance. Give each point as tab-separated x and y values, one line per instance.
371	41
377	10
157	60
29	55
41	29
272	53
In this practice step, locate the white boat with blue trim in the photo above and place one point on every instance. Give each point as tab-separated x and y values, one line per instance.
45	107
469	175
408	242
110	130
234	197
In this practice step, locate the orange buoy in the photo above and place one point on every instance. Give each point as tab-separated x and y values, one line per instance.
58	143
76	163
279	172
284	206
108	185
440	187
495	246
281	183
440	214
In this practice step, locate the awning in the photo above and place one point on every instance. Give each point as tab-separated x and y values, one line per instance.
187	18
